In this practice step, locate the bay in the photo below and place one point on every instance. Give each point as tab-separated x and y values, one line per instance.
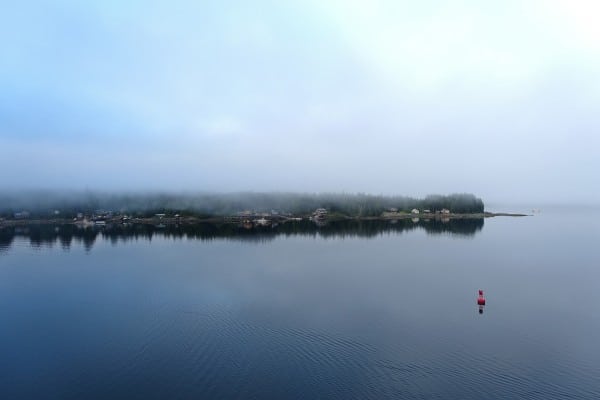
356	310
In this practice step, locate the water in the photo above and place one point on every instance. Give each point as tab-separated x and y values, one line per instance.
372	310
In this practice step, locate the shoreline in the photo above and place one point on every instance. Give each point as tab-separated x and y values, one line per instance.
230	220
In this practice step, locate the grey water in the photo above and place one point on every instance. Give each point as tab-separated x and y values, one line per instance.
371	310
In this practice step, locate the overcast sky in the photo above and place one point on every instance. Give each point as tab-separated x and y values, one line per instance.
501	99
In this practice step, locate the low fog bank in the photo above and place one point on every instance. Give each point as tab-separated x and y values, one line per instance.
222	204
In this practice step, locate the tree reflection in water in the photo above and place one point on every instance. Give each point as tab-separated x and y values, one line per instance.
65	235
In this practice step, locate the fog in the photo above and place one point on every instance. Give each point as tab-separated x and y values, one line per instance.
381	97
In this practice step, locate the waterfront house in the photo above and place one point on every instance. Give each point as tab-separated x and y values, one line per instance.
262	221
320	213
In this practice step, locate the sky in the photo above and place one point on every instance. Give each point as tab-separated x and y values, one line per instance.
500	99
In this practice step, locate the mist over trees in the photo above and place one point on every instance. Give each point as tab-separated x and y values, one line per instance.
223	204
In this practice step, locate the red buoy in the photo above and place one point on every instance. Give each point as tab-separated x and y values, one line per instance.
481	299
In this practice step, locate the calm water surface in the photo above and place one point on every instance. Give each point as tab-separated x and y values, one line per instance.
322	314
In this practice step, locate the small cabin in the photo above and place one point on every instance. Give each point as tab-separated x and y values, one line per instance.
414	211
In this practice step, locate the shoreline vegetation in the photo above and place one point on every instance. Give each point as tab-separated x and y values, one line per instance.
47	220
89	209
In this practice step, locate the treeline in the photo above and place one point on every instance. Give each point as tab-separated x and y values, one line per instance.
210	204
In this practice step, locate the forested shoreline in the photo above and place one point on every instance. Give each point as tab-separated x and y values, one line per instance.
68	205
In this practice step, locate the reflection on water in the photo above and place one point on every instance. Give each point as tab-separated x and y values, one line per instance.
50	235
